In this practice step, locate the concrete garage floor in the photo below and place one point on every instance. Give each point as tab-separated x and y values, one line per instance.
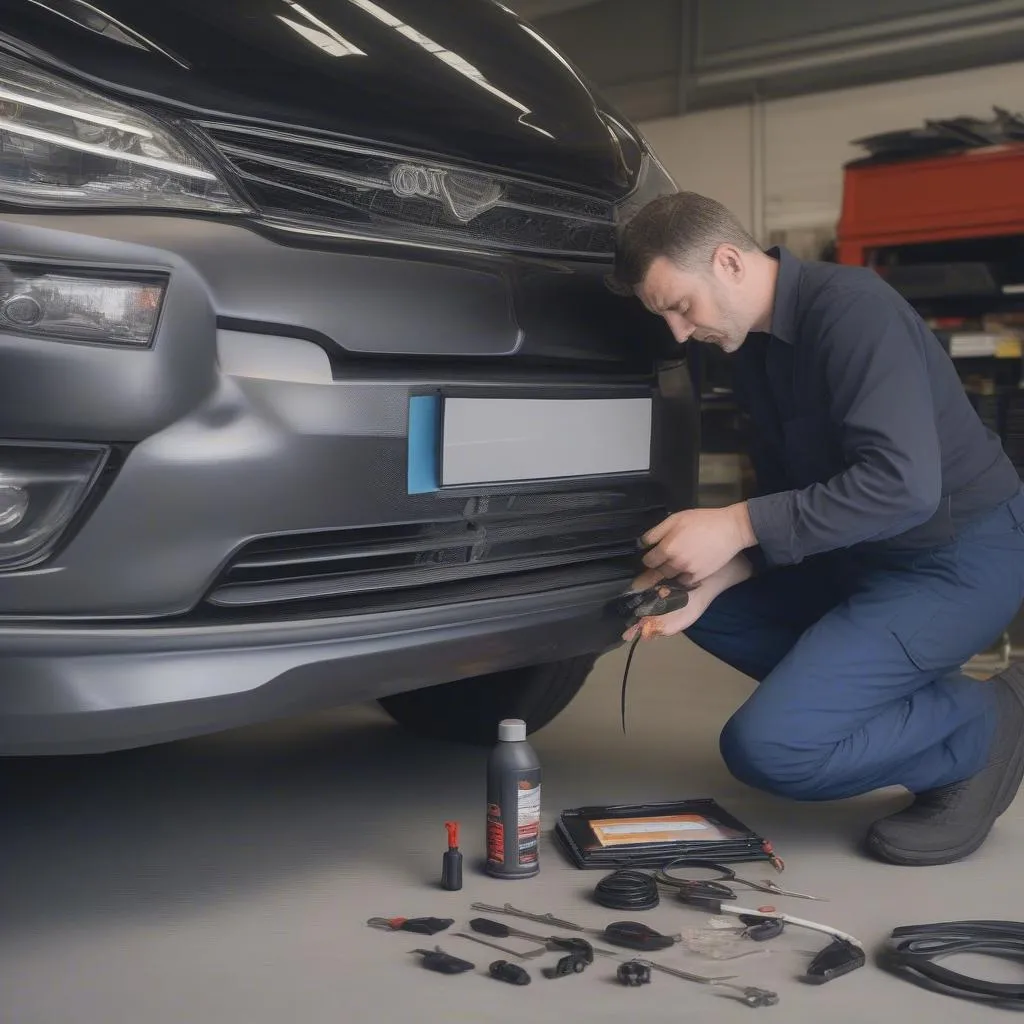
229	879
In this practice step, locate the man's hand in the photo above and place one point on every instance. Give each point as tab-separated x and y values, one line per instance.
673	622
697	543
735	571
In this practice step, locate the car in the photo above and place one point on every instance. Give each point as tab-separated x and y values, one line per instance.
314	391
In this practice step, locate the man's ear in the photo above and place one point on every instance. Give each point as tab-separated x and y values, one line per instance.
728	261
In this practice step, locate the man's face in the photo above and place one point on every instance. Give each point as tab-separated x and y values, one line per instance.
706	305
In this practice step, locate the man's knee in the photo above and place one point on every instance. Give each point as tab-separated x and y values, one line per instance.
757	753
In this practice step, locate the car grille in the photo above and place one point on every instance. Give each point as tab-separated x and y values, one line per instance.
312	182
409	563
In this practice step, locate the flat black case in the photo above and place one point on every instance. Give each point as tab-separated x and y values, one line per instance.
576	837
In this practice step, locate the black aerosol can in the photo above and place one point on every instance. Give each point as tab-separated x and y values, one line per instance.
513	804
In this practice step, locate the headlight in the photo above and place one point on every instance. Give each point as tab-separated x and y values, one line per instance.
64	145
41	488
67	304
653	181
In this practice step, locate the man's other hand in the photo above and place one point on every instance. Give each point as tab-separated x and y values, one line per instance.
734	572
673	622
697	543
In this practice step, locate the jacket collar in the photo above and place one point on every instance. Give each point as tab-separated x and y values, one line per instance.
787	295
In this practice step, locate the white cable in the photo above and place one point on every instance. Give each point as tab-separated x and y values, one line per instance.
797	922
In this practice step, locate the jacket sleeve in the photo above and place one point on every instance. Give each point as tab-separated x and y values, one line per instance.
872	365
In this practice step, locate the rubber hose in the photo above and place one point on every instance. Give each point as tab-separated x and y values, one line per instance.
913	951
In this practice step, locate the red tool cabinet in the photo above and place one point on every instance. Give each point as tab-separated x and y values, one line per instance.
976	194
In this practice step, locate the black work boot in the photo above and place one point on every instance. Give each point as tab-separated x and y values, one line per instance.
949	823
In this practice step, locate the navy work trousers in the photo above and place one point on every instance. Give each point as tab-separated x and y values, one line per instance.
858	657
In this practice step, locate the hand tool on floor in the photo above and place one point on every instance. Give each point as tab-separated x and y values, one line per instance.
548	919
748	994
629	934
438	960
714	887
553	943
419	925
530	954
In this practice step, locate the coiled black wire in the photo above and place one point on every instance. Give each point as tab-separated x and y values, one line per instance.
913	950
627	890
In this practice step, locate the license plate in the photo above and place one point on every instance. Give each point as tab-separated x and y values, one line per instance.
509	440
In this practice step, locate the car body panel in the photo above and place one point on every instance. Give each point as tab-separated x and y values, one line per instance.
466	79
72	691
262	437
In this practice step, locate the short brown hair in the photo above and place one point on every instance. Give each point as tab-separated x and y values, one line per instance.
684	227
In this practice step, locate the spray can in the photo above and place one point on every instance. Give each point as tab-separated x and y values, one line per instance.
513	804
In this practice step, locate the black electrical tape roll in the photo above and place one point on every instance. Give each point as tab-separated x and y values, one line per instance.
627	890
913	951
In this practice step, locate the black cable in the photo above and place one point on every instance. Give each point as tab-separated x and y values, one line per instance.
627	890
625	677
913	951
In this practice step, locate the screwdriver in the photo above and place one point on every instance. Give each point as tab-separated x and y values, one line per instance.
627	934
630	934
554	943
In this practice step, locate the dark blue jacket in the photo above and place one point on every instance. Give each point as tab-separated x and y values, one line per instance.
863	432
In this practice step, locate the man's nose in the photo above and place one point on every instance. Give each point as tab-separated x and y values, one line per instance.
682	331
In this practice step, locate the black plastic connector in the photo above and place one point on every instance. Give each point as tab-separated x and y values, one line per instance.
512	973
633	974
836	959
571	964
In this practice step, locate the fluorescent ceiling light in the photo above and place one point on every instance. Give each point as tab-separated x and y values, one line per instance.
319	33
449	57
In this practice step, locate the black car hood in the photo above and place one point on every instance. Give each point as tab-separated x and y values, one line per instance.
460	79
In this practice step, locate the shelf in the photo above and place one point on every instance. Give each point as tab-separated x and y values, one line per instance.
982	345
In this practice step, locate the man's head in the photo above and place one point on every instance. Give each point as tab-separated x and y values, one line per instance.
688	259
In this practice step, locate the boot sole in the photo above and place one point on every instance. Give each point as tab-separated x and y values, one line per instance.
1004	797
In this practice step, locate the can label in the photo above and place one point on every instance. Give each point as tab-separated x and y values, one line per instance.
529	820
495	835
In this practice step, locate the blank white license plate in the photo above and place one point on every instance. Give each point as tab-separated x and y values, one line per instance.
501	440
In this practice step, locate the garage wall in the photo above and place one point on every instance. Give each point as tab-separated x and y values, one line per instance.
711	152
778	165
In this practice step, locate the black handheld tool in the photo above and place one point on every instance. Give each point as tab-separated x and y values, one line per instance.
443	963
556	943
498	930
451	865
634	935
419	925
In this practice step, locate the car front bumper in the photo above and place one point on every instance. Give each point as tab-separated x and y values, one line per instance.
114	640
68	689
